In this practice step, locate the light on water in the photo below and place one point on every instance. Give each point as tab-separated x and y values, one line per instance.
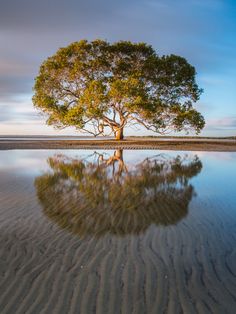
117	231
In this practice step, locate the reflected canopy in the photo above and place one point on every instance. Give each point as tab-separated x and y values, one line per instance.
100	195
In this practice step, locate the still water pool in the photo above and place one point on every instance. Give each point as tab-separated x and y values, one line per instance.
105	231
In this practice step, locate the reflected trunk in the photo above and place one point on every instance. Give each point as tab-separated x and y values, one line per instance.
119	154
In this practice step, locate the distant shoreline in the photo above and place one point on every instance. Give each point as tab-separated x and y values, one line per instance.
181	144
145	137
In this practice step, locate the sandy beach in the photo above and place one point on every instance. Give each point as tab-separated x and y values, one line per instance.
180	144
65	253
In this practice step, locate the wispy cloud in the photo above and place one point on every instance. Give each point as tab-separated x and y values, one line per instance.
222	123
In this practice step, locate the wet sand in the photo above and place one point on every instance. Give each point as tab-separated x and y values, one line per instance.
189	268
184	144
186	267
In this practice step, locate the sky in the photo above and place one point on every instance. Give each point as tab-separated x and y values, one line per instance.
202	31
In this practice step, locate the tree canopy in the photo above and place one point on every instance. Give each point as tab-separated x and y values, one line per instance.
101	88
102	194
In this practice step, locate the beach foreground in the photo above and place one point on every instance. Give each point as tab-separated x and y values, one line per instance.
104	231
181	144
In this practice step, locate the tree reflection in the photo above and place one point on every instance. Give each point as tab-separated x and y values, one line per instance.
104	195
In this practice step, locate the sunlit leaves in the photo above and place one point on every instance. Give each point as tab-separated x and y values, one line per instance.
117	84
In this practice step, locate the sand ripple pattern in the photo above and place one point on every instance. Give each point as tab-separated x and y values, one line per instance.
189	267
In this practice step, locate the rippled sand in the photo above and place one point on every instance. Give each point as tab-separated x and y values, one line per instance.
186	266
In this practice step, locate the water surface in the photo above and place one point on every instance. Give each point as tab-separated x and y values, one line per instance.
117	231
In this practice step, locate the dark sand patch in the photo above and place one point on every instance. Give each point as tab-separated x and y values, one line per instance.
142	143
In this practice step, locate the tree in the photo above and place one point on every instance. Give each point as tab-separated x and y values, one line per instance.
99	87
101	194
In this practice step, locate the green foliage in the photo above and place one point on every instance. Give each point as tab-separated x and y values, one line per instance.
110	86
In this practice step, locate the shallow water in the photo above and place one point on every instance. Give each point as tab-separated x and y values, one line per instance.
117	232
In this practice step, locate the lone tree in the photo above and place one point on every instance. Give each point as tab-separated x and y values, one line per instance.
101	88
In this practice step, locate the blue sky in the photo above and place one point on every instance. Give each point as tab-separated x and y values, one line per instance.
203	31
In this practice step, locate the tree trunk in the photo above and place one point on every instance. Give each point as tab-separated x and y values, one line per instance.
119	134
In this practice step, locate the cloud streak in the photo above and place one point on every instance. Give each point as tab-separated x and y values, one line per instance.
223	123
